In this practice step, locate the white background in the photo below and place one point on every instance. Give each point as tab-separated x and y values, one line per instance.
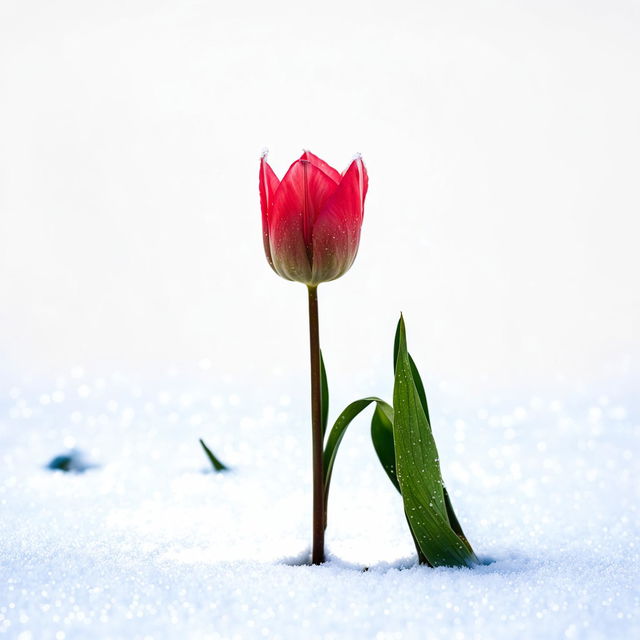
501	140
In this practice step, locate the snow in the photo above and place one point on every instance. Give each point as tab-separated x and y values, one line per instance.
151	544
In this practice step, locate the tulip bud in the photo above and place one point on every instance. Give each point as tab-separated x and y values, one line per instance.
311	220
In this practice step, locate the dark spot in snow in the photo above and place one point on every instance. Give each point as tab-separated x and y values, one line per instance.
72	462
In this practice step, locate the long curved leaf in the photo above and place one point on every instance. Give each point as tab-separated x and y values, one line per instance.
418	470
453	519
324	395
414	372
382	438
337	433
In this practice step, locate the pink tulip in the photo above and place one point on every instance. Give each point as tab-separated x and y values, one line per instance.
311	219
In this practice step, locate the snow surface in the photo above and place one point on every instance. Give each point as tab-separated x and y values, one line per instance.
150	544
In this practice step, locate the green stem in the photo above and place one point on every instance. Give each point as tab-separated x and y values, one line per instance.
317	553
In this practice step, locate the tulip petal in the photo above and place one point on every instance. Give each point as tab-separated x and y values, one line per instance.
322	165
336	233
301	196
268	185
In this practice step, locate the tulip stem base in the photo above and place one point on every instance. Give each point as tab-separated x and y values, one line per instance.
317	553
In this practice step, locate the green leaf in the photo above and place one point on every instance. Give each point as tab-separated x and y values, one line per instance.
453	520
215	463
382	437
324	395
414	371
337	433
418	470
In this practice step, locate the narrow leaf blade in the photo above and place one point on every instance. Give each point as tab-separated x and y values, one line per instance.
215	463
337	433
453	520
414	371
324	395
418	470
382	438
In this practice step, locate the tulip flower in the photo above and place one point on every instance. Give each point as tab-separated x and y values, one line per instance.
311	219
311	223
